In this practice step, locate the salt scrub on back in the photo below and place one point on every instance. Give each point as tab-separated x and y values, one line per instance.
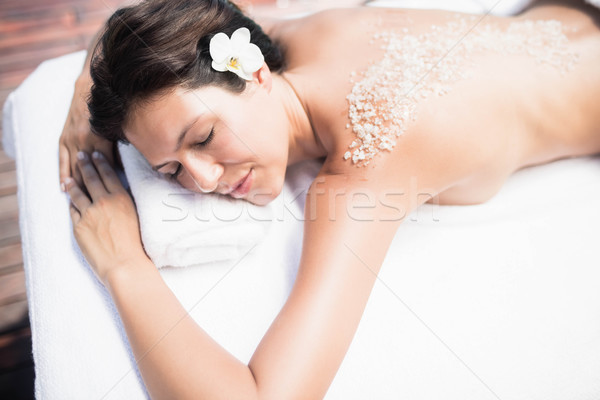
415	67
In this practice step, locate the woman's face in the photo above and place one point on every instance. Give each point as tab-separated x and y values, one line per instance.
235	144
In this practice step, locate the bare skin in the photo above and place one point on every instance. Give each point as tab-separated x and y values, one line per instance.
304	347
549	116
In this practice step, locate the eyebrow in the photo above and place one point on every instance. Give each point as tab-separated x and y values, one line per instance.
179	142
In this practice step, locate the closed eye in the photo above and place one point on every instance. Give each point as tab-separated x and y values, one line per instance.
208	139
173	176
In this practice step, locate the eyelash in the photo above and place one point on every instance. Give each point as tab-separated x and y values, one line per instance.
173	176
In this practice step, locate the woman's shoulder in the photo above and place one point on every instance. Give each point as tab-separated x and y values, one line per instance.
323	51
327	54
318	34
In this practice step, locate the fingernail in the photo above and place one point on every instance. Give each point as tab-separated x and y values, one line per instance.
64	183
97	155
81	155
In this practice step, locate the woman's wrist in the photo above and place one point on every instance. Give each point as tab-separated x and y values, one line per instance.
83	82
83	85
122	274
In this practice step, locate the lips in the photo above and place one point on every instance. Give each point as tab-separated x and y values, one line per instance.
242	187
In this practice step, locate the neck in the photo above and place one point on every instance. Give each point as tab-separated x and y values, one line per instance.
304	143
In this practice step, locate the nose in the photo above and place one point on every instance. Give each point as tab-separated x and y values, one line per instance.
204	173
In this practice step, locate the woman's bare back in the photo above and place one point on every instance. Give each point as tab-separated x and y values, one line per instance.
509	113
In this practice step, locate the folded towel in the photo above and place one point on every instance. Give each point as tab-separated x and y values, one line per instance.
180	228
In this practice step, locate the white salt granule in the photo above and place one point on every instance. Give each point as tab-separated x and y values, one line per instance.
416	67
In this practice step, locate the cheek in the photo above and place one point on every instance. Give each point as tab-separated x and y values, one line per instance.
187	182
234	145
272	180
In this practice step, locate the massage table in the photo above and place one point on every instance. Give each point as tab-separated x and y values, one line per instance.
493	301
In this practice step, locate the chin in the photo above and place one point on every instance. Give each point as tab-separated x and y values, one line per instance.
261	199
264	197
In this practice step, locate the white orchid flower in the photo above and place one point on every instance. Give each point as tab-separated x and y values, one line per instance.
237	54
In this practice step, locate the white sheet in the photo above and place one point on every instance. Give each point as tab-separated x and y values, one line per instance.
498	300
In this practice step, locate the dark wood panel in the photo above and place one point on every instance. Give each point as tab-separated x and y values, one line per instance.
28	59
9	232
12	287
11	255
34	7
6	163
14	316
11	269
8	183
8	207
39	37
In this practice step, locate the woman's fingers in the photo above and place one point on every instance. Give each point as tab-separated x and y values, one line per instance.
107	173
77	136
99	177
93	182
75	214
64	161
107	149
79	200
67	162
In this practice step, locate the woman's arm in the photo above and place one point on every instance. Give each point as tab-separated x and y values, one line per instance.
304	347
176	358
350	222
76	134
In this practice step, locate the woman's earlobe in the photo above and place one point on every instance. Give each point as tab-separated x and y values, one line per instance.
263	77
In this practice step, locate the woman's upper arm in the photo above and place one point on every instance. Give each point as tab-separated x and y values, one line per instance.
349	224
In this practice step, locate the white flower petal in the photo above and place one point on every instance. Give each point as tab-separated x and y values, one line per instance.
220	47
244	75
251	58
219	66
239	72
247	57
239	40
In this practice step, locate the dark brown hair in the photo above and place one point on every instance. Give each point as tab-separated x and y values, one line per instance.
158	45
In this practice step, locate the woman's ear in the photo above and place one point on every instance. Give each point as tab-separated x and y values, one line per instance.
262	77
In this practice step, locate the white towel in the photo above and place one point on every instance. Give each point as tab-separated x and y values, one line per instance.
180	228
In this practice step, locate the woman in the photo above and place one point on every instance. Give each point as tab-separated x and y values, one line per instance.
372	91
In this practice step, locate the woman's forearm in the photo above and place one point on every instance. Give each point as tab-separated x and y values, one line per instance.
176	358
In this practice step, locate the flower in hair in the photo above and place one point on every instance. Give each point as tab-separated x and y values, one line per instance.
237	54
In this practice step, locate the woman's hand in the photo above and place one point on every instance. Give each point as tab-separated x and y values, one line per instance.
77	136
105	223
